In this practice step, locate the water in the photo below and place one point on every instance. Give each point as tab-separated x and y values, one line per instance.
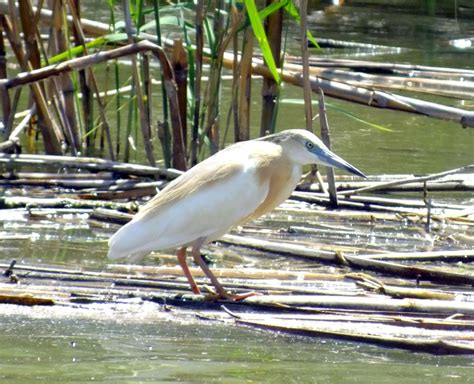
140	342
93	346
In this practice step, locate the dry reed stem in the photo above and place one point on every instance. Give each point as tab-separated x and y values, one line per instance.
325	135
270	91
245	85
179	61
32	77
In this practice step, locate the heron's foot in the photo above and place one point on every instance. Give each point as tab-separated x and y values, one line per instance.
224	295
195	289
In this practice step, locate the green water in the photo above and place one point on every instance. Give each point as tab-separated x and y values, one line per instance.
139	342
144	348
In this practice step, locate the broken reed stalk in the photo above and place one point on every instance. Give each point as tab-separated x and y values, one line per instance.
443	344
392	68
89	163
325	135
13	139
60	43
364	96
84	84
245	86
453	88
419	273
199	19
179	62
91	184
52	88
116	92
419	179
400	206
368	303
4	75
270	88
305	72
60	203
234	109
213	92
163	128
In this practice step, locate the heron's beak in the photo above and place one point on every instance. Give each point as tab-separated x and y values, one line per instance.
330	159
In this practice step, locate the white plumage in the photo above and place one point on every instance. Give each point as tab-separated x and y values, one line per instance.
238	184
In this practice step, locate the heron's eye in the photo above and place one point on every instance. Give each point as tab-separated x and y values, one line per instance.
309	145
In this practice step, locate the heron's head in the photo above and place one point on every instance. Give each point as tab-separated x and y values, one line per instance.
303	147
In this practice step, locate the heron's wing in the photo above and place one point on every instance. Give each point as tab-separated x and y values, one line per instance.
205	201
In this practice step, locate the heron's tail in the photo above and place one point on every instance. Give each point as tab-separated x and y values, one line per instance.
126	242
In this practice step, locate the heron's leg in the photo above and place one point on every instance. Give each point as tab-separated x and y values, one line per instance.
196	251
184	266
